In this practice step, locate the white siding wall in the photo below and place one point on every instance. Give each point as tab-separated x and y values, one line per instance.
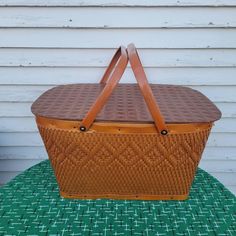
44	43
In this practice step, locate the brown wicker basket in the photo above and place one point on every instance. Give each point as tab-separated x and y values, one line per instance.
124	141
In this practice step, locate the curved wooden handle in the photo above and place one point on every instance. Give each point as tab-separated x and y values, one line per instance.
120	59
111	66
146	89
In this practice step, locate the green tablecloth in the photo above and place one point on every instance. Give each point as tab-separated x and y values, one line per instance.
30	205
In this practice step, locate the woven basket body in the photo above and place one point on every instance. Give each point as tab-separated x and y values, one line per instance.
128	166
136	142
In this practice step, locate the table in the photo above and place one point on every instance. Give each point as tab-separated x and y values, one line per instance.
30	205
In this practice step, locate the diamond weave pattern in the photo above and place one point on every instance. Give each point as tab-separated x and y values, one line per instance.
131	164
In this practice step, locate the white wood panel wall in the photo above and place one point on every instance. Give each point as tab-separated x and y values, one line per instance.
45	43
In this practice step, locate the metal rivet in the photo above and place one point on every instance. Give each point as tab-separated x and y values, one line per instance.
164	132
82	128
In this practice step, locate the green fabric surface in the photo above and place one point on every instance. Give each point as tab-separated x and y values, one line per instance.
30	204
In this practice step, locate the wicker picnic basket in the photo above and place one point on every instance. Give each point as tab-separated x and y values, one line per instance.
124	141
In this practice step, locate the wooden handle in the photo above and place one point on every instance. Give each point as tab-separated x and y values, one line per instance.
112	77
120	59
111	66
146	89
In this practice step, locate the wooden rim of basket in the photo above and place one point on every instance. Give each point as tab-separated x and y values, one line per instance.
123	196
121	127
112	77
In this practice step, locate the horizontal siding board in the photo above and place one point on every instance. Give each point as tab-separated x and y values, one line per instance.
114	3
24	124
22	109
30	93
27	124
21	93
168	75
226	178
18	153
99	17
33	139
218	93
17	165
20	139
6	176
227	109
231	189
112	38
225	125
15	109
222	139
220	153
219	166
12	57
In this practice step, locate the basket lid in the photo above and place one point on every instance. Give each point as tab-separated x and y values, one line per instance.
178	104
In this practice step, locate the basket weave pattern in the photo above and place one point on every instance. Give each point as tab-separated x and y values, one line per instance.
103	143
123	164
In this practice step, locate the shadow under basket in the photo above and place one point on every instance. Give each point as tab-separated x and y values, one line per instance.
124	141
